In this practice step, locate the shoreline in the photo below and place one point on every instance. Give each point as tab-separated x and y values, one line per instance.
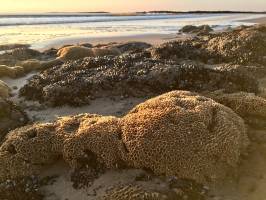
261	20
153	39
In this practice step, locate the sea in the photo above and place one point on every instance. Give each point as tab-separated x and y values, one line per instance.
38	29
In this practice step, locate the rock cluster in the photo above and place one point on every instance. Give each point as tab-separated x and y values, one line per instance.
176	134
242	46
129	75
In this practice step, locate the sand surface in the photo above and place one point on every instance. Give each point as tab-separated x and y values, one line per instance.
261	20
149	38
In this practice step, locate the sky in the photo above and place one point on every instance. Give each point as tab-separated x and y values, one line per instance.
29	6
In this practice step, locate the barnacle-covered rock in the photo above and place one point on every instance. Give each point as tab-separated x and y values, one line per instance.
183	134
241	46
96	135
26	150
129	75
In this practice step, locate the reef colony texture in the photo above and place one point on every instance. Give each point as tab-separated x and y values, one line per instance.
179	133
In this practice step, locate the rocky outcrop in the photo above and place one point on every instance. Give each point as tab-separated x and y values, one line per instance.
177	134
11	117
240	46
129	75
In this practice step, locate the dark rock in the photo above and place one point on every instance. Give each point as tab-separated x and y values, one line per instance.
133	46
240	46
129	75
203	29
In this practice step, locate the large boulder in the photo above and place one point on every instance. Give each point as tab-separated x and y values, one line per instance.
183	134
4	90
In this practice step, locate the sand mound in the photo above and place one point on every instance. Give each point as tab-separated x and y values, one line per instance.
177	134
183	134
4	90
74	53
129	75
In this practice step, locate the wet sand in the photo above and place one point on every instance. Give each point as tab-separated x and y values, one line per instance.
261	20
153	39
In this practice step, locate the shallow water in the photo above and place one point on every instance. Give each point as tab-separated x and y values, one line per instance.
39	29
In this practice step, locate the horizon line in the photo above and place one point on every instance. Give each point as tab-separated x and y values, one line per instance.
136	12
